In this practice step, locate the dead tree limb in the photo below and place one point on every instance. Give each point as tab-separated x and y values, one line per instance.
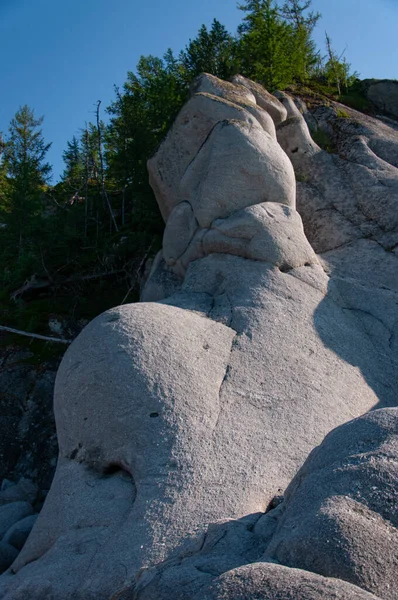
104	192
137	272
36	336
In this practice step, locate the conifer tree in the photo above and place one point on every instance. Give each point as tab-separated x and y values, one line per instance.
303	51
265	44
74	164
27	172
210	52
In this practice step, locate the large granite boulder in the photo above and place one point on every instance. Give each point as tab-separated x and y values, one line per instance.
182	421
340	513
265	581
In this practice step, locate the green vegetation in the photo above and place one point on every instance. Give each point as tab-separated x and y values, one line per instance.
323	140
342	114
75	248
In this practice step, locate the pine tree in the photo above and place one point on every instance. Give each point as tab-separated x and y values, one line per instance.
73	173
265	44
303	52
27	172
210	52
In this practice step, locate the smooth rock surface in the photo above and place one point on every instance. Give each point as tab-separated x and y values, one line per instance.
263	98
12	513
7	555
18	533
162	281
265	581
181	422
25	490
262	172
383	94
184	140
340	513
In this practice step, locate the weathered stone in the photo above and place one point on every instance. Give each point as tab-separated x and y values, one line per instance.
181	423
224	89
266	581
289	104
162	281
18	533
7	556
263	98
268	232
12	513
25	490
262	172
294	137
383	94
340	514
190	130
180	229
128	460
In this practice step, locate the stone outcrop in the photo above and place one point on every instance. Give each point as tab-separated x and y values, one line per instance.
340	513
181	420
383	93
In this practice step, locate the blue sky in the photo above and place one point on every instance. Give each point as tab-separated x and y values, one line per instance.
60	57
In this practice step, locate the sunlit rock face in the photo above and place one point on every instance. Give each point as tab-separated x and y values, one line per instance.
182	419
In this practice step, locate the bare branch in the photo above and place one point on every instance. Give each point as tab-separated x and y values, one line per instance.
104	193
36	336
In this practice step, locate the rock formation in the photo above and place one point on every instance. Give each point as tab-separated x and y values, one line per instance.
182	419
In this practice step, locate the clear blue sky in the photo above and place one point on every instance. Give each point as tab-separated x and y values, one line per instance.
60	57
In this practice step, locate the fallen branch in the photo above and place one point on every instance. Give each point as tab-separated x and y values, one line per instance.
34	285
137	273
37	336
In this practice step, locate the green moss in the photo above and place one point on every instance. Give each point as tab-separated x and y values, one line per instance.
342	114
323	140
301	177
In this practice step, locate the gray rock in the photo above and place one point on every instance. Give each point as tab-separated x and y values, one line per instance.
340	513
224	89
7	556
12	513
263	98
25	490
268	232
179	420
265	581
161	283
18	533
123	467
287	101
384	95
185	138
262	172
294	137
180	229
5	484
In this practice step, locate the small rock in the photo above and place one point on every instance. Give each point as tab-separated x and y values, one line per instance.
12	513
6	483
24	491
18	534
7	556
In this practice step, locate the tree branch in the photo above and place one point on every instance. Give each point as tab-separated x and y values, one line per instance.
36	336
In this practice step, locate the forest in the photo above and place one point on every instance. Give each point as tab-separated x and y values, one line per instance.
72	249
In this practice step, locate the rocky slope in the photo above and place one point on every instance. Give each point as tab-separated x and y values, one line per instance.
269	319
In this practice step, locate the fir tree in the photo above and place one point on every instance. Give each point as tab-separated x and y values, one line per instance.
265	44
211	52
27	172
304	55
